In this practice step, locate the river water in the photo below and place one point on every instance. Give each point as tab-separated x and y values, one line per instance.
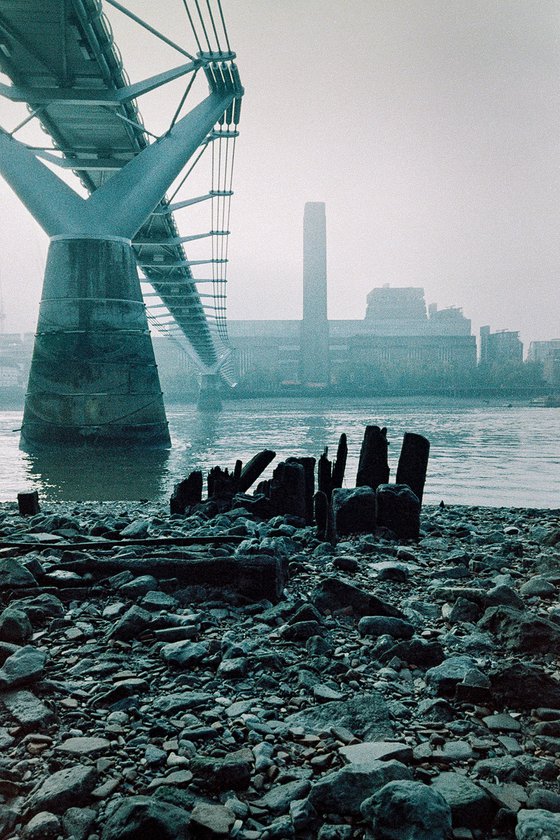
486	454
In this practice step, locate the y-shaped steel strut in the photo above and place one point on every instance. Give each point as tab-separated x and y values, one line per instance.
93	374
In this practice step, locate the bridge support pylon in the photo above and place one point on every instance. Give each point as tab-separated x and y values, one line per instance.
93	375
209	398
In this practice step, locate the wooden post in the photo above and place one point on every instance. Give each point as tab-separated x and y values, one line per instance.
323	517
324	474
28	503
221	484
287	489
254	468
340	464
413	463
186	493
373	468
308	465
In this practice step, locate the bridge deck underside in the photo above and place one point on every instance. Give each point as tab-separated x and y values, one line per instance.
66	44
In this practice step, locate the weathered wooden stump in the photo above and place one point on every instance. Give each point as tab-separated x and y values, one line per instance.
28	503
287	489
187	492
222	487
354	510
413	463
254	468
324	474
308	465
373	467
339	465
398	508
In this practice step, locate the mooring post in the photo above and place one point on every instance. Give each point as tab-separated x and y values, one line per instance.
413	463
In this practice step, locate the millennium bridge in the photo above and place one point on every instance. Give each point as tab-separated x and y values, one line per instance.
93	376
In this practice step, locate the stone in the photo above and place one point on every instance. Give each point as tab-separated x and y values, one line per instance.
416	652
547	800
354	510
335	832
139	586
368	751
443	679
523	686
538	586
398	509
502	594
374	625
470	805
184	654
84	746
139	528
157	600
23	667
521	631
462	610
300	631
15	626
138	817
335	594
64	789
278	798
131	625
502	722
233	669
40	607
78	822
537	824
365	715
343	791
26	709
230	772
14	576
43	826
8	819
407	810
210	820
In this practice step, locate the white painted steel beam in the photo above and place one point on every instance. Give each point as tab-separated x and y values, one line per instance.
93	96
121	205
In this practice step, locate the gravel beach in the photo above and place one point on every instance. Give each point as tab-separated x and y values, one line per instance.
377	689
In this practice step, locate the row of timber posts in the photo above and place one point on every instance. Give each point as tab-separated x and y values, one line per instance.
291	490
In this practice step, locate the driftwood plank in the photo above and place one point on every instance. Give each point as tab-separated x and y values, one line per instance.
256	577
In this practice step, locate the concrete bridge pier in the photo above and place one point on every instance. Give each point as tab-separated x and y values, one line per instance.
209	398
93	375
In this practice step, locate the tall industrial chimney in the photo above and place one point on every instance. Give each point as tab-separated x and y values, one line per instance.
315	325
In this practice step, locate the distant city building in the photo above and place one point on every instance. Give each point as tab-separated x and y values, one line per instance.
434	347
313	351
547	353
399	342
500	348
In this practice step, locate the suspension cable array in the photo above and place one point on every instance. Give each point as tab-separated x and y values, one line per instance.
207	24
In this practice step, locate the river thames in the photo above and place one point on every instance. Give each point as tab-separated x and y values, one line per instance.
493	454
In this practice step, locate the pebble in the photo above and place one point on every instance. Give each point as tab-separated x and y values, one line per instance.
421	670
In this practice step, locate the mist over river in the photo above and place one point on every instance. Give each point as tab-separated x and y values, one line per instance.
481	453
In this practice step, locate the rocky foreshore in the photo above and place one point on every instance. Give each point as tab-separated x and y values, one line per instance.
381	689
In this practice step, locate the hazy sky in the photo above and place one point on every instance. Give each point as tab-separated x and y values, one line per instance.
429	127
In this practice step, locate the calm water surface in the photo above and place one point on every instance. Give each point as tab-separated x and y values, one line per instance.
487	454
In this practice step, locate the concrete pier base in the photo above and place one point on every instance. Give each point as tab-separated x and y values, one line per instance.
209	398
93	375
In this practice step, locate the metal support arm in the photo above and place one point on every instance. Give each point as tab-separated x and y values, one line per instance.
123	203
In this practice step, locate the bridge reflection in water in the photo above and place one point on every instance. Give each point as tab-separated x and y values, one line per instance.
86	473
